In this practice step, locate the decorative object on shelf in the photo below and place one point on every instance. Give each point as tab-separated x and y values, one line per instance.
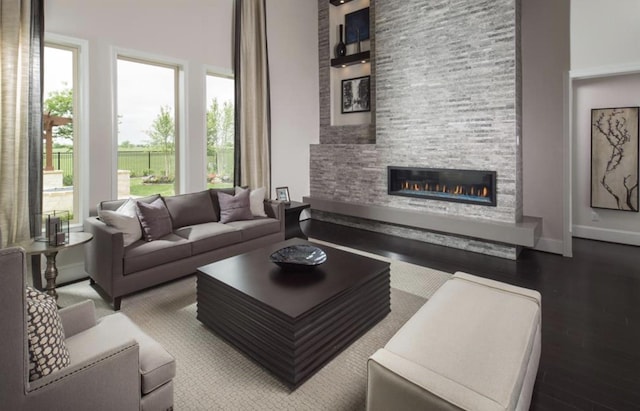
299	257
357	22
614	158
341	48
282	194
55	227
356	95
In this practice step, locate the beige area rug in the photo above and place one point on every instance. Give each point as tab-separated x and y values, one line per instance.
213	375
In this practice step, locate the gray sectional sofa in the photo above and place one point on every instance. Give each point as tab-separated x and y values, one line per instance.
198	238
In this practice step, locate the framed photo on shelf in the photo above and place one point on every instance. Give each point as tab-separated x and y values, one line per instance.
357	26
282	194
355	95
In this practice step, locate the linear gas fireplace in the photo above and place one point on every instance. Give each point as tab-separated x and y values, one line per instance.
461	186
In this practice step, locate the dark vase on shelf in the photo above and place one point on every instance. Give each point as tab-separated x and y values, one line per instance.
341	48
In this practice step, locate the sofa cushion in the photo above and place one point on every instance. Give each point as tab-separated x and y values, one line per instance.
234	207
115	204
124	219
190	209
157	366
154	219
47	349
142	255
209	236
258	227
256	200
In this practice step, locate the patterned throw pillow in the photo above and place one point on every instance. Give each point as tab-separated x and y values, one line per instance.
47	349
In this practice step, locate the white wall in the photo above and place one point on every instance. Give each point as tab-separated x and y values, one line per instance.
605	62
198	34
545	61
604	33
292	32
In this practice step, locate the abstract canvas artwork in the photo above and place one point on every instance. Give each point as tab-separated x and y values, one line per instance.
614	158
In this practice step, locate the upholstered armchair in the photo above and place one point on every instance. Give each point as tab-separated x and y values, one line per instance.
113	364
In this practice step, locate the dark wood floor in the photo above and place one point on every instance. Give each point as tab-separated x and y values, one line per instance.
590	311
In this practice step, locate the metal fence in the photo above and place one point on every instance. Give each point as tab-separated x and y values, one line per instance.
149	162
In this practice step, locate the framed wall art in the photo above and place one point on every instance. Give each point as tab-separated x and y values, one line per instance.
614	158
355	95
357	26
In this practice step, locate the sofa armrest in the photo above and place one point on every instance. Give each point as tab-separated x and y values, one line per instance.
107	381
275	209
78	317
103	256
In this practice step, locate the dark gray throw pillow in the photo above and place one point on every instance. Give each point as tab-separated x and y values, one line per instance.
234	207
154	219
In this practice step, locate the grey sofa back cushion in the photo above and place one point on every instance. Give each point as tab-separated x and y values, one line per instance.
191	209
113	205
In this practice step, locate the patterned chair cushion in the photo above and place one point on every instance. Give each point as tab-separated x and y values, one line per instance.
47	349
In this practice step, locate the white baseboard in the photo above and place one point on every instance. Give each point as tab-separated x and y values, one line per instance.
549	245
606	234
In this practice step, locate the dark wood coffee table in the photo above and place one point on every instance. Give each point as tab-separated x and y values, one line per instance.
293	323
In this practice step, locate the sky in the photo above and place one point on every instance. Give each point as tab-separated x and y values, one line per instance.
142	89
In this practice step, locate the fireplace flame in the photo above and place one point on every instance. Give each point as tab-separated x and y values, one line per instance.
459	189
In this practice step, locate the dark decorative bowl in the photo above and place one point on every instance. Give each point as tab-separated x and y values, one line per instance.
298	257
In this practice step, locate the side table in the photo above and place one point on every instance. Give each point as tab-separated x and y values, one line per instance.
292	213
35	248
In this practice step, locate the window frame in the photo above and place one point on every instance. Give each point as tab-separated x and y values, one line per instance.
214	72
80	87
179	68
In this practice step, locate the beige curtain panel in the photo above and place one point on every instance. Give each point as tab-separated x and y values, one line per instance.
252	95
15	53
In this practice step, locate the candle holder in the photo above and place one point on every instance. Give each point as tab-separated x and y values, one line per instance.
54	227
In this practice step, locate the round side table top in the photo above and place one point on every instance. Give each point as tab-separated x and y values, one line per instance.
40	247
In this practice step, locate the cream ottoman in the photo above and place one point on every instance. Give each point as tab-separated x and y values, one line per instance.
475	345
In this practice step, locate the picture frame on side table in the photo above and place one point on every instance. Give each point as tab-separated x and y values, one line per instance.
614	158
356	95
282	194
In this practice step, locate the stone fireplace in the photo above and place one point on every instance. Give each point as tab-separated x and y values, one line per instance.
460	186
446	93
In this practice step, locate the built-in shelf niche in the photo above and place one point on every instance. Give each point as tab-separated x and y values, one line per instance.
353	65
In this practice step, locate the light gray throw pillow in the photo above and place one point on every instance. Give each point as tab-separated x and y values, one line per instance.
234	208
154	219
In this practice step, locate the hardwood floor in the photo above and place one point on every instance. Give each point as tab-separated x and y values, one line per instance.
590	311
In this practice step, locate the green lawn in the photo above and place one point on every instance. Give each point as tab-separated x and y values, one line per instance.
137	188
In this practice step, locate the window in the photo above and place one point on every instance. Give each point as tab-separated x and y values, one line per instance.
60	153
220	131
147	129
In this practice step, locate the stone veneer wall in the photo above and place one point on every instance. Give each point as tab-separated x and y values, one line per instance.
448	95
